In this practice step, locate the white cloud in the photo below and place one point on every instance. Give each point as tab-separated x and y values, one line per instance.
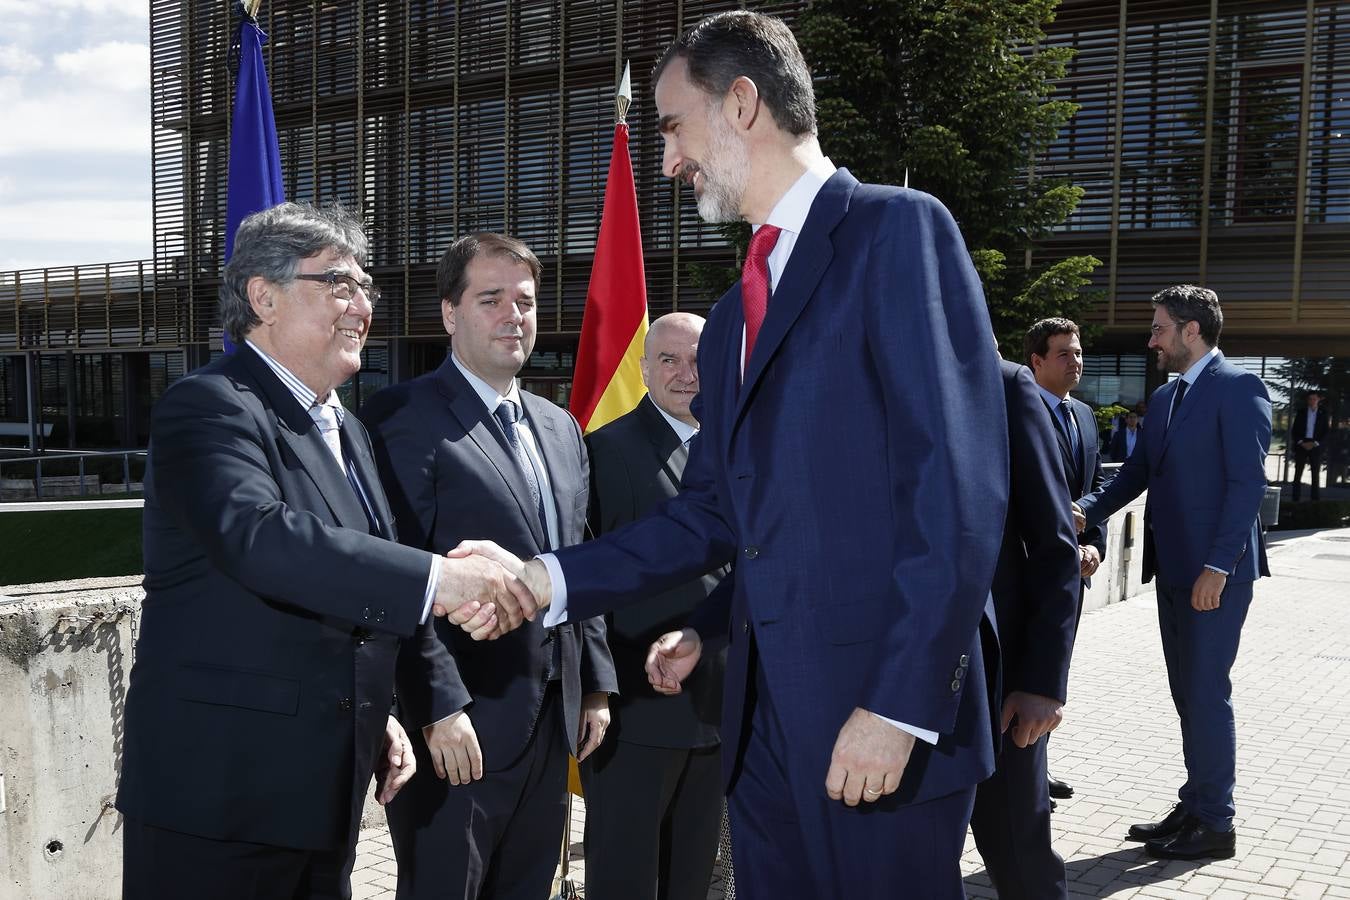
118	65
77	221
67	119
35	9
16	59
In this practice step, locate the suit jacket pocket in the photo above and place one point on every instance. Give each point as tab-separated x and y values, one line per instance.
221	686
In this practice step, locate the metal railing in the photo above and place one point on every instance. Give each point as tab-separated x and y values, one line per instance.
81	478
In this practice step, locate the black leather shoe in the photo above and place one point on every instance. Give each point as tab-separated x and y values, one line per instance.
1059	790
1174	821
1195	841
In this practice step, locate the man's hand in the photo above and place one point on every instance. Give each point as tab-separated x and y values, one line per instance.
1079	520
1088	560
1035	714
531	589
482	595
1207	590
594	723
455	753
396	764
869	759
1307	445
671	658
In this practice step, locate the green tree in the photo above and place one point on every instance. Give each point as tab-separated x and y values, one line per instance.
957	94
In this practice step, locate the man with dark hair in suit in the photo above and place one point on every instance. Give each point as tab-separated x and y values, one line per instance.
1202	460
654	790
1036	588
464	452
848	476
1126	437
1055	355
1307	435
259	701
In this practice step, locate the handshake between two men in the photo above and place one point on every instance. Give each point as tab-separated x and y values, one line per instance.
489	591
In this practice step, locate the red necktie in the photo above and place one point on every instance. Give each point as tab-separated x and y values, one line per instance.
755	283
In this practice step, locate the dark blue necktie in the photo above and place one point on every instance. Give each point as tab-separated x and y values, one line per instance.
1176	401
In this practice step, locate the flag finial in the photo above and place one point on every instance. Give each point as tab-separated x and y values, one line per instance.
251	7
624	98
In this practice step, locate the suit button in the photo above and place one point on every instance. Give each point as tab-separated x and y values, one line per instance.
965	660
751	552
379	616
365	704
959	674
345	704
956	686
745	627
365	613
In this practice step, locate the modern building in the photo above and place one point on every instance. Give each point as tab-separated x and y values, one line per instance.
1213	143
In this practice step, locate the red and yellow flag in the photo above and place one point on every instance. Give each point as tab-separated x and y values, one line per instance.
607	382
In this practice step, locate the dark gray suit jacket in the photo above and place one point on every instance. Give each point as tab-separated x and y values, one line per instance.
270	620
637	461
452	476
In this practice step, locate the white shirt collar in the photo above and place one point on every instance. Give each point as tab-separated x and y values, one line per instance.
1051	397
683	430
486	392
299	390
1197	367
791	210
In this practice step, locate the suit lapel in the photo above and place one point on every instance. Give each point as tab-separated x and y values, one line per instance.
298	432
357	445
1195	396
1065	448
670	451
551	447
481	427
810	257
1087	431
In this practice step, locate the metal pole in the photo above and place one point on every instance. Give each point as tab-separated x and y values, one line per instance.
32	373
82	490
126	473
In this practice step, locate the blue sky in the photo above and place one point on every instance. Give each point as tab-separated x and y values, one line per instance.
75	133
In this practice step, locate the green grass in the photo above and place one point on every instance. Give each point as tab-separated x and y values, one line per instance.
58	545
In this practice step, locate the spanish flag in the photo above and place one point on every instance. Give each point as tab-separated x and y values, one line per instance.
607	382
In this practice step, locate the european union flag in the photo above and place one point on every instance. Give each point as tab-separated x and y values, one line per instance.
255	161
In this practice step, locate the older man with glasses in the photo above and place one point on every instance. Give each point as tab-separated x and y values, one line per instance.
275	593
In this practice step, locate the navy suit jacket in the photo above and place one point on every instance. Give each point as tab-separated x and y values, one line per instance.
452	476
1083	473
1118	445
1205	478
271	618
851	480
1036	583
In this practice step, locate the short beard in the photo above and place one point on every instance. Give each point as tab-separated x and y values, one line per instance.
725	180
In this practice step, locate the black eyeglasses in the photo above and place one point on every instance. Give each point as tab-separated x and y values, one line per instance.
344	287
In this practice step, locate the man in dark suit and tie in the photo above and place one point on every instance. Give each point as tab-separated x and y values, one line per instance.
1202	460
861	506
1036	588
259	701
1055	355
1307	435
1125	438
464	452
654	790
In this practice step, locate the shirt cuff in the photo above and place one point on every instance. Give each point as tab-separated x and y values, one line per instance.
430	594
1217	569
923	734
556	613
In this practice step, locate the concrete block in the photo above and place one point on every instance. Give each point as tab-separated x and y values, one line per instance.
64	663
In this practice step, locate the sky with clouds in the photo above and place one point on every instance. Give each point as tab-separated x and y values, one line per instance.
75	143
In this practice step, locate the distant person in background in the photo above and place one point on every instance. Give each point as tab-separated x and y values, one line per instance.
1123	441
1307	436
654	789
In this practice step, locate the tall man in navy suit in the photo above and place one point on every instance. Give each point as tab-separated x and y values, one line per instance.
1055	354
1036	588
1202	459
464	452
860	501
275	596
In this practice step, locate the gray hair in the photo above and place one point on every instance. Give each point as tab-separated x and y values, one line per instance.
271	244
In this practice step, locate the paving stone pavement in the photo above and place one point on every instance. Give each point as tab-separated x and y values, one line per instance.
1120	747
